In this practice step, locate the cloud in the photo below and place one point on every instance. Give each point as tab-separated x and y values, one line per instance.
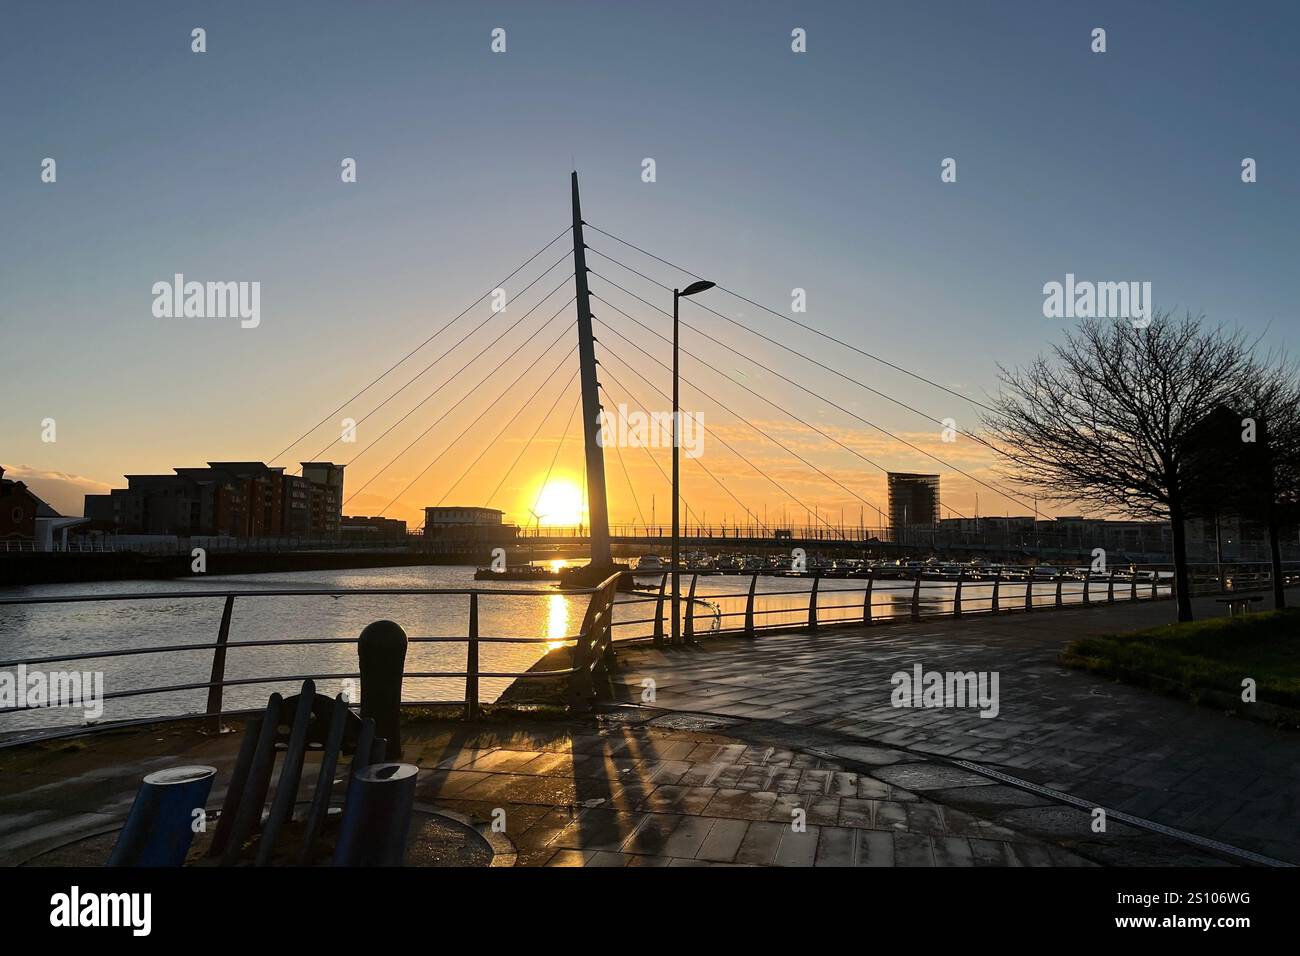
63	492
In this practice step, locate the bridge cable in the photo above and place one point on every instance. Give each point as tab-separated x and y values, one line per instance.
526	404
457	402
779	344
730	448
736	414
529	442
463	338
779	315
455	375
502	394
422	344
654	461
554	458
882	430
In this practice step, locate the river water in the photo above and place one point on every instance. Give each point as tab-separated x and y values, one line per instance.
42	630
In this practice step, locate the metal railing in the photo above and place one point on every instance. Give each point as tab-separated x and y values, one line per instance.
935	595
591	646
920	596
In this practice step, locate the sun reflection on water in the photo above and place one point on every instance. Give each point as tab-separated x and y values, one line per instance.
557	620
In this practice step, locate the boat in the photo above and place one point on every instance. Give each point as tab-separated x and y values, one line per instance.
518	572
650	564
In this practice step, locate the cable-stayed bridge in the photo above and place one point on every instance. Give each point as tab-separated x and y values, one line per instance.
608	355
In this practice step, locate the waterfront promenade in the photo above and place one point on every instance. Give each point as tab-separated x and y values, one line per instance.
785	750
1113	745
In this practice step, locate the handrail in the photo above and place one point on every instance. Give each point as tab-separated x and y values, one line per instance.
596	633
593	644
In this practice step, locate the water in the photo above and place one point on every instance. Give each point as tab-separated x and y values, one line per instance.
40	630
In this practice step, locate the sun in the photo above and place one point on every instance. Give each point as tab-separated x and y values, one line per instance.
560	503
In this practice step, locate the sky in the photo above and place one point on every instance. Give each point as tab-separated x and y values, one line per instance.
774	171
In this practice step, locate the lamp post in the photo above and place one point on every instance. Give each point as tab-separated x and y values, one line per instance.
678	294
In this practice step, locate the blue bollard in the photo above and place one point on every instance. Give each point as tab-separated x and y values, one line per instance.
377	816
160	828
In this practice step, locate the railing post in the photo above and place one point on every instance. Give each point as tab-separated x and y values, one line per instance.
608	595
218	674
812	603
749	607
1059	579
581	686
1110	587
1087	577
688	631
866	599
916	597
1029	590
471	662
1133	584
997	584
659	613
956	598
1155	582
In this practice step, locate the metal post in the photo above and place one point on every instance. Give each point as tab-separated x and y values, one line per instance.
677	488
997	583
916	597
1110	587
1087	577
218	675
956	598
812	603
249	812
866	598
325	779
1059	579
659	613
1132	584
286	789
688	635
1029	590
160	828
381	651
377	816
471	662
749	607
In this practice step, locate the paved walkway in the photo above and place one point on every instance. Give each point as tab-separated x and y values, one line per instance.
631	787
1114	745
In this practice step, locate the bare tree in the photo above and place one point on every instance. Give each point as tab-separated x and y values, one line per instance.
1102	423
1270	481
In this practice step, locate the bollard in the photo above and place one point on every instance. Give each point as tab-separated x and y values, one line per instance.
377	816
160	828
381	649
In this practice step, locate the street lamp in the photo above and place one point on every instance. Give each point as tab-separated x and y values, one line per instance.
678	294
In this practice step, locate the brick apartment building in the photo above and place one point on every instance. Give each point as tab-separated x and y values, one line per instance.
240	499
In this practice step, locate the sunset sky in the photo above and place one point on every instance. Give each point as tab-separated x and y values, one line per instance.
775	171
